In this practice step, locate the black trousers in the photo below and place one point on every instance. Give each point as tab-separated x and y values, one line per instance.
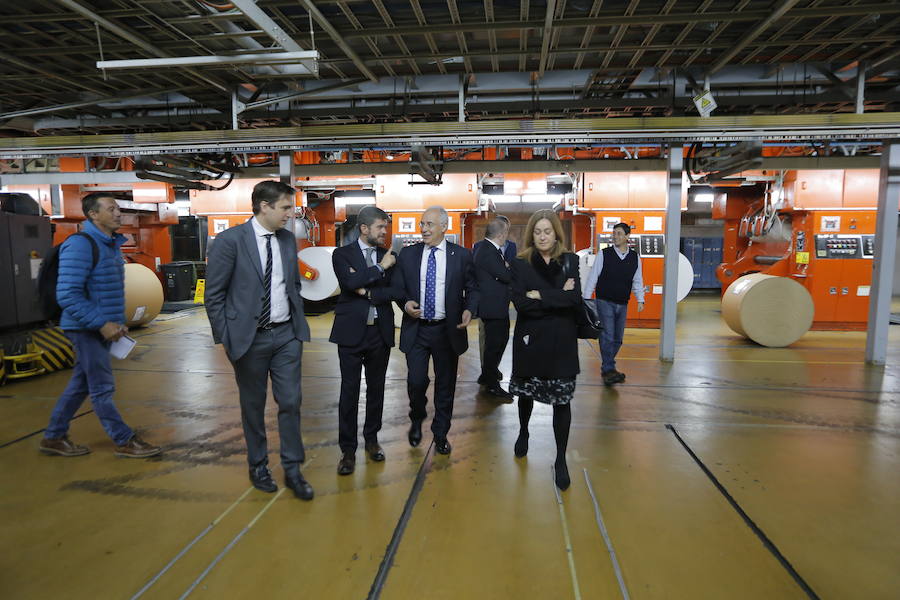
274	353
496	334
373	354
432	343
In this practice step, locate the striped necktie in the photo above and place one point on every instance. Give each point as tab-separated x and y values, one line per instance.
370	260
430	285
266	315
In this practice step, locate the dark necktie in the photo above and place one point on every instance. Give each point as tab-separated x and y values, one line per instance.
266	315
370	260
430	284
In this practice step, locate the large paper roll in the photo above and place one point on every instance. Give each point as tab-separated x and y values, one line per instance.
772	311
685	277
326	284
143	295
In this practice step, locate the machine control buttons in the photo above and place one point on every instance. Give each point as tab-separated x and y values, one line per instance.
839	246
868	246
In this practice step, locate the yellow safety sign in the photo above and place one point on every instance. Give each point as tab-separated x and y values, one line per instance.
802	258
198	293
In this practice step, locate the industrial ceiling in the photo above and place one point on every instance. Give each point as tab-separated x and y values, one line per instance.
384	62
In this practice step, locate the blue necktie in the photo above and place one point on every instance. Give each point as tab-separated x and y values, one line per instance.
430	284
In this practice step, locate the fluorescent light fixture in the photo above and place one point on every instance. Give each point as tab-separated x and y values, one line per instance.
306	58
707	197
505	199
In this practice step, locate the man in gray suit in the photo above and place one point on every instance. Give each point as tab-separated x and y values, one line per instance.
256	311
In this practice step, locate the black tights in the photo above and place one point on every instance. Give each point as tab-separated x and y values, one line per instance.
562	421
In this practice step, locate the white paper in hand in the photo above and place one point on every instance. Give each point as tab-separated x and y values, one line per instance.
122	347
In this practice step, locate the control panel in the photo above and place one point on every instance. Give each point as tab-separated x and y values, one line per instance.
647	245
400	241
653	245
606	239
868	246
845	246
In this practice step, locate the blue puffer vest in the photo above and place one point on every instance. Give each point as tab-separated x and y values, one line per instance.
91	297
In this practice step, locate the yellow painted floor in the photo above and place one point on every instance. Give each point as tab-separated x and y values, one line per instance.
803	442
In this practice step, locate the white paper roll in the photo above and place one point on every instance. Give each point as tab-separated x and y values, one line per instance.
685	277
326	284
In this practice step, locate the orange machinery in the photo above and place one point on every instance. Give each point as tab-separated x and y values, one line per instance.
458	193
820	231
145	218
638	199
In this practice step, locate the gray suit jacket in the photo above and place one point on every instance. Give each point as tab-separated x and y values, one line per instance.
234	288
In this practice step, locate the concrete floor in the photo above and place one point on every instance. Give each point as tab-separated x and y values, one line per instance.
804	443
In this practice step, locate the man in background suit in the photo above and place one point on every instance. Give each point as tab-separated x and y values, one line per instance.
364	332
434	283
256	311
509	250
494	279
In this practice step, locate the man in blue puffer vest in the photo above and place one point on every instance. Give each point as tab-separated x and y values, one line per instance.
92	298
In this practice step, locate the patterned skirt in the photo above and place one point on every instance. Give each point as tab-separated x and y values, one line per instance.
549	391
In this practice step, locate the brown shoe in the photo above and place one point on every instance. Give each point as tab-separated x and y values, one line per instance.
63	446
137	448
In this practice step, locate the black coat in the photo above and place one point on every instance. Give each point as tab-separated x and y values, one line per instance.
551	348
460	293
494	279
509	254
352	310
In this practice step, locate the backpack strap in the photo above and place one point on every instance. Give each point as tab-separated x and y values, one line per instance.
95	250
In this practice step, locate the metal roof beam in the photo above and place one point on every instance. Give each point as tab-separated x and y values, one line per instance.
751	35
612	19
267	24
338	39
125	33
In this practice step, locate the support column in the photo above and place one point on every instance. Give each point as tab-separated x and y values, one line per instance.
860	88
885	247
286	176
462	99
670	269
55	200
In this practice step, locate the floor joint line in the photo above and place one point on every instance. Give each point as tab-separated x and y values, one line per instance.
768	543
391	551
606	539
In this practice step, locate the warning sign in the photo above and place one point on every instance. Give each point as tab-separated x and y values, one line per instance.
198	293
705	103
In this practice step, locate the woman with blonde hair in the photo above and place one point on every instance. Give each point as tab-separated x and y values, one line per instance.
546	291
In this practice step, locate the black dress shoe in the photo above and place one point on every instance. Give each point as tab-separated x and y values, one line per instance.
415	433
261	478
442	446
620	376
375	452
499	392
347	463
299	486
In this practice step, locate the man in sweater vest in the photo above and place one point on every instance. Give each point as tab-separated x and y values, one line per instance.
615	274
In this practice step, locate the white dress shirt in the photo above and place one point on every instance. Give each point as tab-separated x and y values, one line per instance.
637	282
373	313
280	305
440	257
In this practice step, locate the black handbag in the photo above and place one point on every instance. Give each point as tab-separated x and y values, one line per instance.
586	317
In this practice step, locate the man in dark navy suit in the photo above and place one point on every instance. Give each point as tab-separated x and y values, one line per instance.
364	332
494	278
434	283
508	250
